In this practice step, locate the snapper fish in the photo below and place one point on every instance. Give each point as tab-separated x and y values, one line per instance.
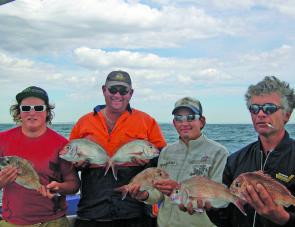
27	175
145	179
136	149
279	193
200	187
84	150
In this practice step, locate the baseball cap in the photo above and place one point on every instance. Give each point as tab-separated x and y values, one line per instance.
32	91
188	102
118	78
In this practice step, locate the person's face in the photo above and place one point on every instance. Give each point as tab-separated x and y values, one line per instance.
117	97
32	120
272	123
188	129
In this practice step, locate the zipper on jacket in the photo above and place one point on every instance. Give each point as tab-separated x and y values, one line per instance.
262	166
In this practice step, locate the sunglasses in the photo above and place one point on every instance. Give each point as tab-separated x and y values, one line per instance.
121	89
28	108
189	118
267	108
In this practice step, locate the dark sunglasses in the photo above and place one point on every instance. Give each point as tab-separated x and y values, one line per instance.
28	108
121	89
189	118
267	108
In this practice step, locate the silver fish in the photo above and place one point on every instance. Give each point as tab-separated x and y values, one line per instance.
136	149
27	175
145	179
84	150
199	187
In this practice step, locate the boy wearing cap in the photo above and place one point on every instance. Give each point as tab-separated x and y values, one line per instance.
193	155
113	125
34	141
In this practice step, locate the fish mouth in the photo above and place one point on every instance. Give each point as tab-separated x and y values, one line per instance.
62	153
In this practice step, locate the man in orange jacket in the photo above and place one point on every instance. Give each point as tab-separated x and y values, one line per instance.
112	125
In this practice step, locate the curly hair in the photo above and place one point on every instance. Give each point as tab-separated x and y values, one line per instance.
15	113
269	85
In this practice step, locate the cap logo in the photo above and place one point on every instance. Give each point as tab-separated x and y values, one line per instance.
119	77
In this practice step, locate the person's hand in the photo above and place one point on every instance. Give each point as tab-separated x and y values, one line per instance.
81	164
259	198
192	210
134	192
140	162
49	190
166	186
7	175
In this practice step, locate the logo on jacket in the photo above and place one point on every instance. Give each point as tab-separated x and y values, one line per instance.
284	177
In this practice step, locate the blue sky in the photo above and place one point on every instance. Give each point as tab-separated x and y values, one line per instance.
208	49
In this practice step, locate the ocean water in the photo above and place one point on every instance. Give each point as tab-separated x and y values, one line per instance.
232	136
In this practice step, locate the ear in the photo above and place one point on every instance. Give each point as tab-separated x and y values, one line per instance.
203	121
131	92
103	88
174	122
287	116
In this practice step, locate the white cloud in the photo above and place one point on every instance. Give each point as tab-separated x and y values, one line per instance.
56	25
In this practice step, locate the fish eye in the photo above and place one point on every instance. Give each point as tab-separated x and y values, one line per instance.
237	184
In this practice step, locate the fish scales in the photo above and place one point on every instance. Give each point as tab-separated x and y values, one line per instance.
135	149
279	193
199	187
84	150
27	175
145	179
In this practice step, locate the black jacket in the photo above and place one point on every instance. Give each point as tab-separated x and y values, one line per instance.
280	162
100	200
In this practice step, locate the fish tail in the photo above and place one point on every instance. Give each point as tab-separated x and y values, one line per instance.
123	190
291	201
240	206
115	171
108	165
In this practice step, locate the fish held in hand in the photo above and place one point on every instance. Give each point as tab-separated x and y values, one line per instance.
145	179
279	193
202	188
125	156
84	150
27	175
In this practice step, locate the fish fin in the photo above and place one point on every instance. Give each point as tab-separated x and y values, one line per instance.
240	206
115	171
124	191
108	165
90	137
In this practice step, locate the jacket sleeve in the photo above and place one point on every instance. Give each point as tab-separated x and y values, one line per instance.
155	196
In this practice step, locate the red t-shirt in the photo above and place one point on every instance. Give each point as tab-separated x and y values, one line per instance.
23	206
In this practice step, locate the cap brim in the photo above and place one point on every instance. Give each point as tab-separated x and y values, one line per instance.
114	83
194	110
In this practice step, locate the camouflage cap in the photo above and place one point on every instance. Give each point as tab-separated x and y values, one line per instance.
32	91
118	78
191	103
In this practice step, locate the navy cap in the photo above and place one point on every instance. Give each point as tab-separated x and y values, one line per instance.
32	91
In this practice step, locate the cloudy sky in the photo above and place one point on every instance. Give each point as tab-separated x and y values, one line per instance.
208	49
